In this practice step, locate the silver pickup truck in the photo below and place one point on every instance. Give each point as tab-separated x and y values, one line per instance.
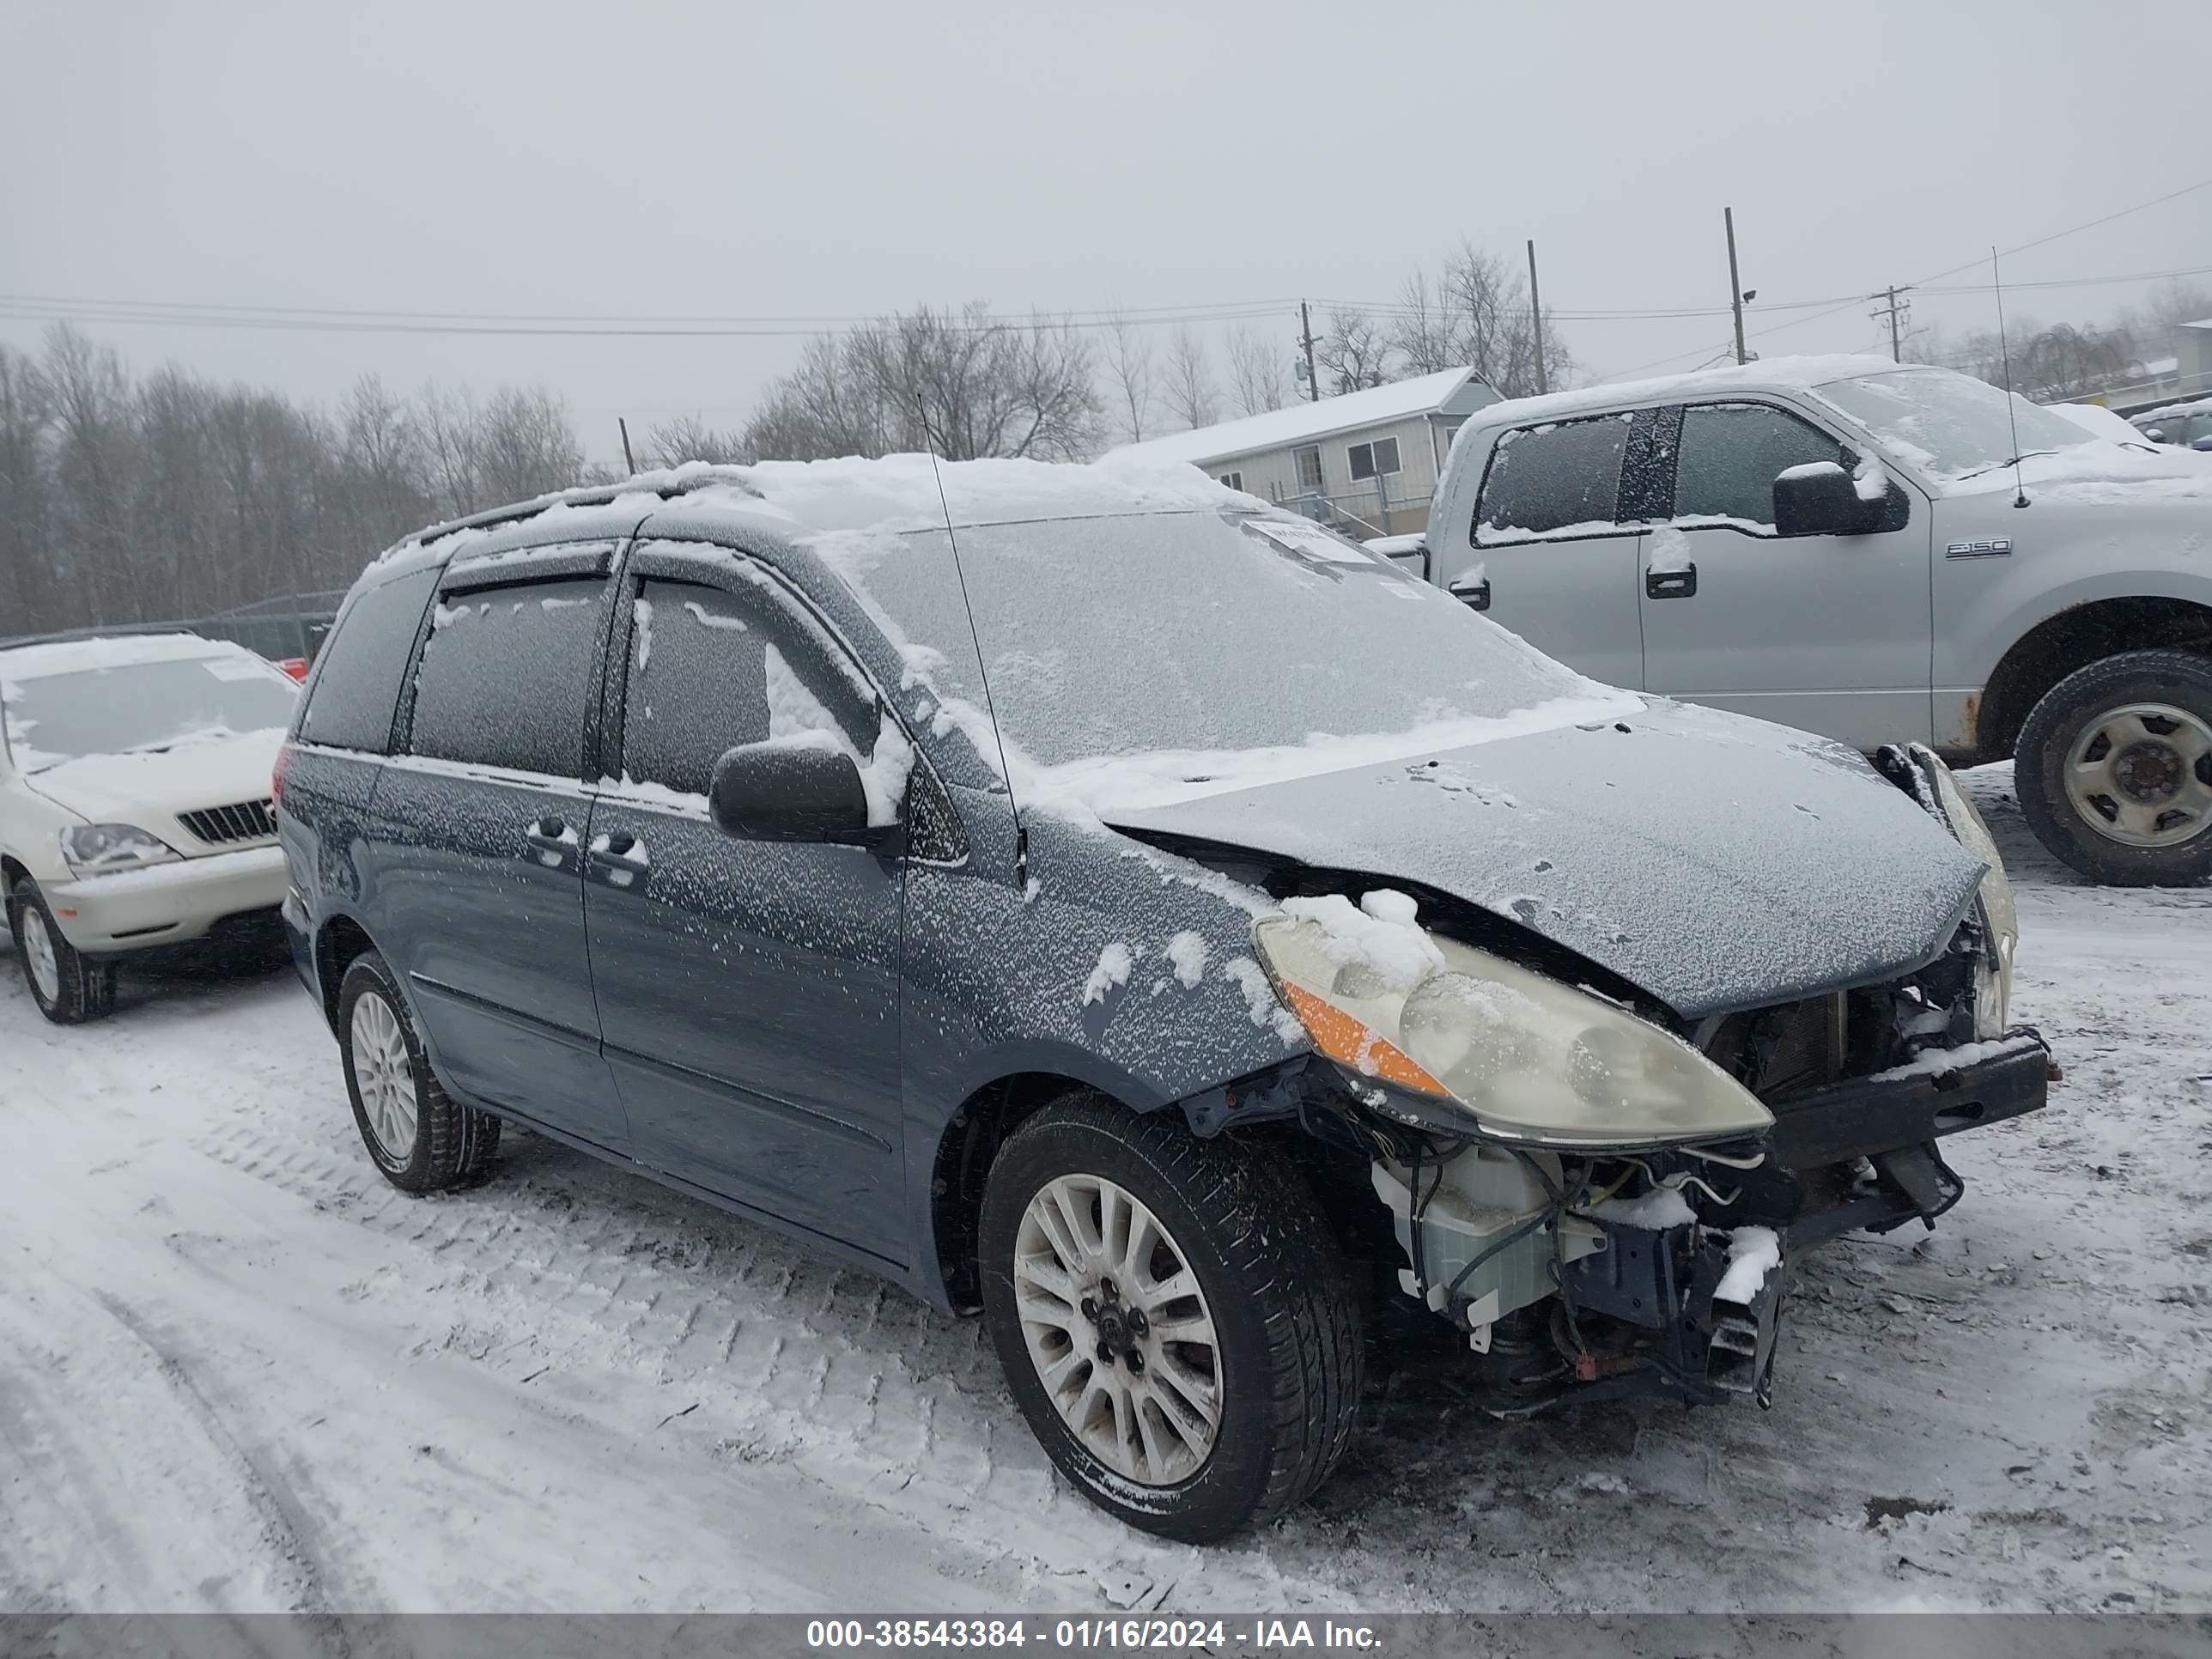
1879	553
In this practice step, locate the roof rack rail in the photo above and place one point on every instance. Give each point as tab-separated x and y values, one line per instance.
666	482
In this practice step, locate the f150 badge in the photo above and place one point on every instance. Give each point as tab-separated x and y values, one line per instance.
1997	548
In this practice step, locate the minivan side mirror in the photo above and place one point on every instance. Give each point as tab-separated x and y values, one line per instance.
1820	499
790	792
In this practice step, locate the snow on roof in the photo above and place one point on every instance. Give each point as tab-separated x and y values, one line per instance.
1301	422
2193	406
1801	372
897	493
2202	322
27	662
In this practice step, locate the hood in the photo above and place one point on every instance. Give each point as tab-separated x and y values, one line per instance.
150	789
2100	472
1717	862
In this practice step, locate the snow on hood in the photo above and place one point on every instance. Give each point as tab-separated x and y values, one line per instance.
1717	862
215	769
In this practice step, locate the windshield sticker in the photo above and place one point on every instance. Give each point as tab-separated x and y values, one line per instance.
1311	541
233	668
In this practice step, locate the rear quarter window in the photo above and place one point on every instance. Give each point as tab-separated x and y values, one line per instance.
362	665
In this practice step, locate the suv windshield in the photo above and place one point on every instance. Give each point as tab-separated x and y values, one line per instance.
135	707
1950	425
1178	636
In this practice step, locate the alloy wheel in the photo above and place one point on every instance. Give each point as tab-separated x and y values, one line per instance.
384	1072
2140	774
1119	1330
39	954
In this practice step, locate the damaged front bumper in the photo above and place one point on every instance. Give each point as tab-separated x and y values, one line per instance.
1565	1297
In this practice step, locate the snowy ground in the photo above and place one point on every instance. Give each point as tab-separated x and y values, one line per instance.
237	1371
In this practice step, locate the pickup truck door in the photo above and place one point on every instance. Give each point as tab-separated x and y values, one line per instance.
1551	552
1831	634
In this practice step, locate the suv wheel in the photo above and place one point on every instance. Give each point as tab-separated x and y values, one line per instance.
68	987
1173	1317
424	1140
2114	769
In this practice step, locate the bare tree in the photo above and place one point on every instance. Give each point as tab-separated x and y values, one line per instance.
689	438
1476	314
1354	352
1130	376
1191	396
452	435
962	385
529	445
1258	374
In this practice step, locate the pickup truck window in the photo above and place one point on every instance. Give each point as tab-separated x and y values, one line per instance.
1729	456
1553	478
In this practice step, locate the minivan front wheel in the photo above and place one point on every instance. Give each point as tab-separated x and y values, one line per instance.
2114	769
421	1138
1173	1317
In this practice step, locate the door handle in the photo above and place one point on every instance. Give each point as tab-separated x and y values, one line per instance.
1474	595
620	859
552	842
1680	582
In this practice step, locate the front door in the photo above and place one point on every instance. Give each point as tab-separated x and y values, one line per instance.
1552	551
478	829
1832	634
748	990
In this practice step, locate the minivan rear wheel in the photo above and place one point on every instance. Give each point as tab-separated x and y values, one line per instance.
1173	1316
2114	769
420	1138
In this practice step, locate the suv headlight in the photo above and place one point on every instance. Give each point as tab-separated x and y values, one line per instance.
97	849
1529	1058
2000	916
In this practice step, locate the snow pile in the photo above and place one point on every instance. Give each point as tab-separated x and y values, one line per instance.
1655	1211
1186	953
1380	943
1753	1253
1112	972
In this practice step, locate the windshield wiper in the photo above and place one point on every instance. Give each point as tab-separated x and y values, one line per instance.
1999	466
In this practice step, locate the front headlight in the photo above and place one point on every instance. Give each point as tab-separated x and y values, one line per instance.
1529	1058
97	849
2000	916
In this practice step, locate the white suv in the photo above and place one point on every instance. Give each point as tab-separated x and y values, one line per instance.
134	803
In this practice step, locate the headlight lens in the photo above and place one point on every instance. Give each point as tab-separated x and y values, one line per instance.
95	849
2000	916
1529	1058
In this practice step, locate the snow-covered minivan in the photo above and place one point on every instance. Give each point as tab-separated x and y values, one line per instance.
1098	898
134	805
1881	554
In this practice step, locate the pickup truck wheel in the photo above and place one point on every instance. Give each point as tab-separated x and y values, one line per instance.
68	987
421	1138
1173	1317
2114	769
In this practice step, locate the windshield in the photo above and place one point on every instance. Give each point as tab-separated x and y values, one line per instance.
1950	425
1188	637
135	707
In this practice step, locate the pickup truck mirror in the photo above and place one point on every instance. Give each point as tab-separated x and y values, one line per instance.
790	792
1820	499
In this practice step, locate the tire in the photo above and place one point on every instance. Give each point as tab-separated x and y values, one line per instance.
445	1144
1285	1325
69	987
2114	769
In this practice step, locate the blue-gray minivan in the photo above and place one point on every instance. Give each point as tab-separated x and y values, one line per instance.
1095	897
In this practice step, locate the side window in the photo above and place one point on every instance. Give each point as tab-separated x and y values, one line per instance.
505	674
358	677
1728	454
1378	459
1233	480
709	669
1552	477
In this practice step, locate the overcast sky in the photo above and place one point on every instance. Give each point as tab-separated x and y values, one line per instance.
734	159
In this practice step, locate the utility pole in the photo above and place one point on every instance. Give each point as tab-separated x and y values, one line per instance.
1536	321
1305	332
1736	286
1896	310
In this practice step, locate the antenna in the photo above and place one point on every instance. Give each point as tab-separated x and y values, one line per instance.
2004	356
990	707
629	460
